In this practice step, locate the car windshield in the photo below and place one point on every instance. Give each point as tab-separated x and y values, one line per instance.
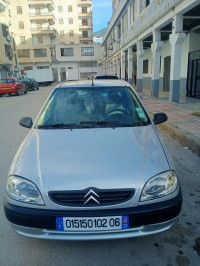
92	107
4	81
26	80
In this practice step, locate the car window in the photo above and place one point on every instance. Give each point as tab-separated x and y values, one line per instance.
26	80
81	106
3	81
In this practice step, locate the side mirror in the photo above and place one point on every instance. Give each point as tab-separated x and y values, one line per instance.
160	118
26	122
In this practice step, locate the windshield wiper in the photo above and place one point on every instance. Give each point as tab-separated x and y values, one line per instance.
58	125
101	123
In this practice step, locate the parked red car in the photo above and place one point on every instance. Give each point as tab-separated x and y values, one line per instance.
12	85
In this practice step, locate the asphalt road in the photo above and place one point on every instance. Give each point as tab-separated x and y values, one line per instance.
178	246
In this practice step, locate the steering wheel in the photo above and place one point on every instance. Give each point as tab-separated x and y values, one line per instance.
114	111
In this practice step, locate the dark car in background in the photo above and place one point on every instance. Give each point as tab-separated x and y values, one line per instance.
12	85
106	77
31	84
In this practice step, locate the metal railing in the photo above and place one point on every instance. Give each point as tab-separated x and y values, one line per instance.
85	13
87	36
42	28
41	14
85	24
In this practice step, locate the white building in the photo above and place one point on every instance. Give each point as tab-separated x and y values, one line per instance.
155	44
56	34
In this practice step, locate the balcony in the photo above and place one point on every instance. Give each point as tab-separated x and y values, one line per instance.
43	30
86	37
88	25
43	16
85	2
40	2
84	14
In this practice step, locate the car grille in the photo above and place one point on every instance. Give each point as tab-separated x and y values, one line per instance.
91	197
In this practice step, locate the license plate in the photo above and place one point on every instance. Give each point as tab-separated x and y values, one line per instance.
92	223
5	88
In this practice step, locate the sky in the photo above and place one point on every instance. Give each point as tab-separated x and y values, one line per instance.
102	13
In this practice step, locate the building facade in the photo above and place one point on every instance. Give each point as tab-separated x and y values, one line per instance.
52	34
155	44
8	57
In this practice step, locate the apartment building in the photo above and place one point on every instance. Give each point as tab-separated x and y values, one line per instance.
155	44
49	33
8	58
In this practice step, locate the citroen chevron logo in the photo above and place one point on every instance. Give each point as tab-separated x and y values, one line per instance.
91	195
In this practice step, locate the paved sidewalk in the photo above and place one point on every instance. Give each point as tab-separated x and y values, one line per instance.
182	122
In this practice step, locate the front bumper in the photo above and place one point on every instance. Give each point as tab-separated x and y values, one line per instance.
143	220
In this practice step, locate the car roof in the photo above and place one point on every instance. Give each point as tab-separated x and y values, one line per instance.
97	83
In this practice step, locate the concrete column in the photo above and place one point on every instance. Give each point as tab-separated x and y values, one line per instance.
122	65
59	77
176	40
156	48
118	68
129	16
67	73
130	65
140	55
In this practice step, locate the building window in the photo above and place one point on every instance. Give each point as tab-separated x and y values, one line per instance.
23	53
69	8
61	20
84	22
88	64
67	51
87	51
42	67
84	9
62	32
19	10
22	39
60	8
145	66
71	33
28	68
85	34
21	25
70	20
40	39
40	52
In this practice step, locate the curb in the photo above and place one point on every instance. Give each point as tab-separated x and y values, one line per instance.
187	139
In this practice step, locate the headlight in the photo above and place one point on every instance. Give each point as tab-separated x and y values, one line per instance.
159	186
23	190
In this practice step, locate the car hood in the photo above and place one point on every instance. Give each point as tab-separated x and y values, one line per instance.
57	160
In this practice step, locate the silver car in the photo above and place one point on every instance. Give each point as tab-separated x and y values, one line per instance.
93	166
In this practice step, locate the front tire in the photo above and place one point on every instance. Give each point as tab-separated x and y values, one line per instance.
18	92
